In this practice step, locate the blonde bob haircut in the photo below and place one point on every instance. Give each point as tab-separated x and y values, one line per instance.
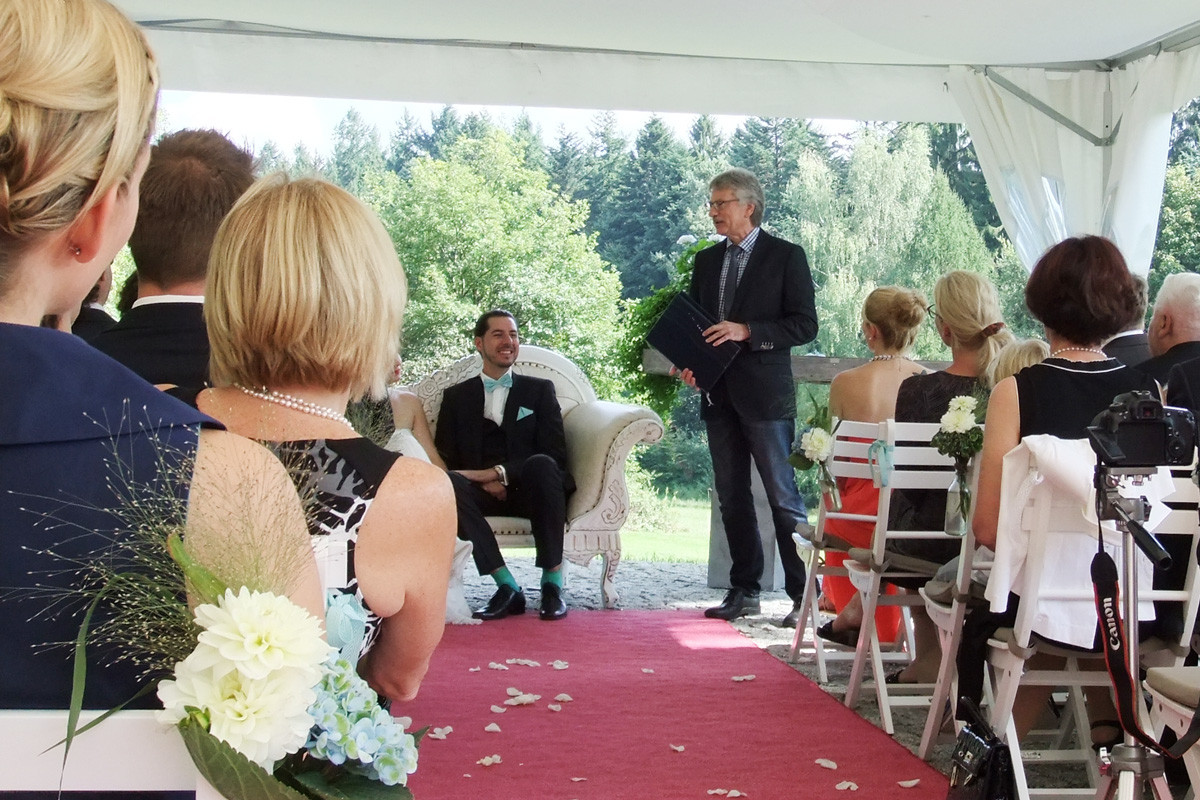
78	89
304	289
898	313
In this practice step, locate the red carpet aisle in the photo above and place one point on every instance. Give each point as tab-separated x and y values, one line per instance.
655	714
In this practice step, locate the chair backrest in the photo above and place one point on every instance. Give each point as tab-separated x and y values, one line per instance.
850	457
1055	545
130	751
570	384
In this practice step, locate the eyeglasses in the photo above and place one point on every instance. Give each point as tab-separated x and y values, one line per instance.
718	204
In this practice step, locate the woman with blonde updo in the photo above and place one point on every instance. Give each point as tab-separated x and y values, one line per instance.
81	437
867	393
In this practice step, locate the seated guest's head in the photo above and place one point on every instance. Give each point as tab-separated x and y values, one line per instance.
1138	322
1176	313
193	179
1082	290
304	289
1016	356
896	315
967	311
77	107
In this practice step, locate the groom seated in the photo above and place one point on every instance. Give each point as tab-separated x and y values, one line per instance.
501	436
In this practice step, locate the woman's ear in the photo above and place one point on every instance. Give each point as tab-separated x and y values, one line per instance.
86	236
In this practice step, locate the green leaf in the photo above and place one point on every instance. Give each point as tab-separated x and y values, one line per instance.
350	787
230	772
207	586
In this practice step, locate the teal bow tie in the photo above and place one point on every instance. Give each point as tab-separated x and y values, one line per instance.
490	384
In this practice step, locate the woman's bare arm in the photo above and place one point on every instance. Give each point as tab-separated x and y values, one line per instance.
1001	433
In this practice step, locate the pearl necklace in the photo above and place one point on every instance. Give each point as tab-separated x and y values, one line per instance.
296	404
1095	350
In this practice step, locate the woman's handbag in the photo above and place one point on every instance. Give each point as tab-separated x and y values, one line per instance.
981	766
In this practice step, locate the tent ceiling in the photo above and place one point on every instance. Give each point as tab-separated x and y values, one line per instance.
866	59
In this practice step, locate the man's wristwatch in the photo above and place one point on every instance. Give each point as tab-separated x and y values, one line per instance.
501	474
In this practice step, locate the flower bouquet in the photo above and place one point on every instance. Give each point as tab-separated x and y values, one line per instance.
960	437
813	449
267	708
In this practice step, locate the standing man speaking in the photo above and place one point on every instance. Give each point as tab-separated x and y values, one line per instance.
761	290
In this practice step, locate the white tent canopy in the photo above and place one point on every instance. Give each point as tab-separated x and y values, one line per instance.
1112	69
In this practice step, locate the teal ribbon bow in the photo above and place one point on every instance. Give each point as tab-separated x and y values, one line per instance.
879	456
345	623
490	384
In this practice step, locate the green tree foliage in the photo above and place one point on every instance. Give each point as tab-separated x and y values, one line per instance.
647	214
565	163
405	145
307	164
271	159
529	137
602	164
1177	248
1185	137
355	151
952	151
770	147
479	229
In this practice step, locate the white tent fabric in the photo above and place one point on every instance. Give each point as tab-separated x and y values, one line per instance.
1049	181
1116	68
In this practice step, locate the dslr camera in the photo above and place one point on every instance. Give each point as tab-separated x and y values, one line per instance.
1139	431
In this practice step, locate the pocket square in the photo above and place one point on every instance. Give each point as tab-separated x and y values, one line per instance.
524	412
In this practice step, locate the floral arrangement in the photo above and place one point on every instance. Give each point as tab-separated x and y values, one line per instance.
815	446
266	707
961	437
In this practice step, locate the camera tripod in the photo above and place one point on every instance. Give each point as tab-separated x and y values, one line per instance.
1131	767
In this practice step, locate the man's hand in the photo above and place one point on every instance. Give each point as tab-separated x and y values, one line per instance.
686	375
483	476
727	331
495	489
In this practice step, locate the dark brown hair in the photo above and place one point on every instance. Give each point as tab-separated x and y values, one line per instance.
1082	290
193	179
485	320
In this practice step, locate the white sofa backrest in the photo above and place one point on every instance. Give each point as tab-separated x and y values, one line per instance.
570	384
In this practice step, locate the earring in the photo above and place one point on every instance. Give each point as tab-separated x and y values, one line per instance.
76	250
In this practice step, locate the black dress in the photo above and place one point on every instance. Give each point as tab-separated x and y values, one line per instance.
1060	398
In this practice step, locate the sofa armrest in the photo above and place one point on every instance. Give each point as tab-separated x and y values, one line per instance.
599	436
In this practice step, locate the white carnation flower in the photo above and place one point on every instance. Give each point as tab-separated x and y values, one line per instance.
817	444
686	239
964	403
959	421
260	632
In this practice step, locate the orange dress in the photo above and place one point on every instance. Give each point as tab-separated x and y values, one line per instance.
859	496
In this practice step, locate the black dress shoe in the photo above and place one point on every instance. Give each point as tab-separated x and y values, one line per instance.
553	605
737	603
793	616
506	602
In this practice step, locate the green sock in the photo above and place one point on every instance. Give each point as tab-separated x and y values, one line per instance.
552	576
503	577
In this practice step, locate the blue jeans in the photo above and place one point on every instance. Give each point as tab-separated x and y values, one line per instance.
732	443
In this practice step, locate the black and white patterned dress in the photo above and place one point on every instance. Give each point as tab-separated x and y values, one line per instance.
337	480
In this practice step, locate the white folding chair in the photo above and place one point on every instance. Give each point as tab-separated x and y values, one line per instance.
904	459
1174	695
1043	554
848	459
130	751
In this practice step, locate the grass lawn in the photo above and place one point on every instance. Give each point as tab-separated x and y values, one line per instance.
683	538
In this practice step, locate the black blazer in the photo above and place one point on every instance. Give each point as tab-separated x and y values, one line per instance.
1130	349
1159	367
1183	386
459	435
90	322
162	342
776	299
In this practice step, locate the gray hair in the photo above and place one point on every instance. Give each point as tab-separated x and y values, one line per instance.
748	189
1180	294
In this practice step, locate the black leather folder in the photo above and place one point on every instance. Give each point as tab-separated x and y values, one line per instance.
679	335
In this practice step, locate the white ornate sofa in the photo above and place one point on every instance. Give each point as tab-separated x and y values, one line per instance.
599	436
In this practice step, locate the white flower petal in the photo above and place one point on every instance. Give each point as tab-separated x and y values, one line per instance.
909	784
678	748
577	780
559	664
826	763
474	669
742	678
494	665
492	728
647	670
554	707
847	786
513	691
718	791
563	698
498	709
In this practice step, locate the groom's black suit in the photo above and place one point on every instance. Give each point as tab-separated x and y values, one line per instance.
531	447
